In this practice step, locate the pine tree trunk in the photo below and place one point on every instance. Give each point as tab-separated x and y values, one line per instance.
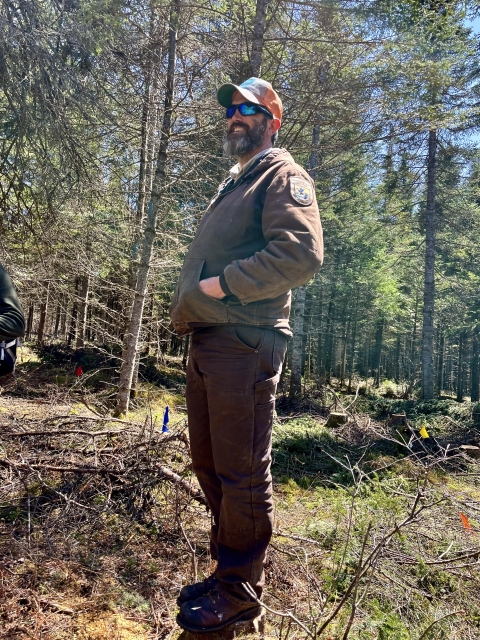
147	143
28	332
319	315
258	35
461	345
377	352
330	337
299	308
73	324
351	360
413	346
441	356
427	383
63	321
343	348
58	314
297	344
82	315
43	317
474	390
133	332
396	366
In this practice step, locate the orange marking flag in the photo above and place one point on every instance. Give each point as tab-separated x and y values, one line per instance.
466	524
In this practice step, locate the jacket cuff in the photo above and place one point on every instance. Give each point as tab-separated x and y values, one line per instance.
223	283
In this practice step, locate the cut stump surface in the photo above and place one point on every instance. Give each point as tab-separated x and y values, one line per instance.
336	419
470	451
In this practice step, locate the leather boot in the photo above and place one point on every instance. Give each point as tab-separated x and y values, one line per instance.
213	612
193	591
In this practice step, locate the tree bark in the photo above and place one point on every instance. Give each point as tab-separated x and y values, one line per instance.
43	317
299	307
413	345
134	327
147	144
461	345
28	332
377	352
258	35
343	348
427	380
440	367
330	336
82	315
58	314
396	364
297	344
351	360
474	390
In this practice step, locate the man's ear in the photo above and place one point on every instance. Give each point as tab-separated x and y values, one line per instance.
275	125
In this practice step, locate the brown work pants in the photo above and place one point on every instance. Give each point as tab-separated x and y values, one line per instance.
232	376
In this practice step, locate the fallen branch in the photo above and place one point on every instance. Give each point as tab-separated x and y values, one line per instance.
448	615
284	614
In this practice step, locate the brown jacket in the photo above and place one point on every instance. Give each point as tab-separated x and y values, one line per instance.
263	233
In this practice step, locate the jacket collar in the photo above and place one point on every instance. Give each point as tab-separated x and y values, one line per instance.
237	171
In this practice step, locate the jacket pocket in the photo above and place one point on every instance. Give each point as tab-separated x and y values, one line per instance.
190	304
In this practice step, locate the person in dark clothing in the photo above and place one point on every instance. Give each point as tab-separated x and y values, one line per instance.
12	320
260	237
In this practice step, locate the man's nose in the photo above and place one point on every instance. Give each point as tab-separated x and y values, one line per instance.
237	118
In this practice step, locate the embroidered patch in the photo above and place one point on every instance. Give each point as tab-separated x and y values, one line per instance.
301	190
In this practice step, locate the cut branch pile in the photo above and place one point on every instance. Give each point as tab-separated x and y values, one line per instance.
125	456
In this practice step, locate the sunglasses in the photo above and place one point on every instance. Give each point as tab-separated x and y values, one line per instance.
246	109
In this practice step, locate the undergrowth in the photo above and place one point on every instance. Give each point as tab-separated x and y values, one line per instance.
368	542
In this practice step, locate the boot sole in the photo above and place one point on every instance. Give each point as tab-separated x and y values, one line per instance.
241	616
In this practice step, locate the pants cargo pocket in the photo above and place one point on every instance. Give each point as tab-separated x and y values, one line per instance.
264	409
265	391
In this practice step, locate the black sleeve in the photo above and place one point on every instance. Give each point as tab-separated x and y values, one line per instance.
12	320
224	285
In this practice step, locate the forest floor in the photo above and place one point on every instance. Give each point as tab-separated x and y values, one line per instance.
376	528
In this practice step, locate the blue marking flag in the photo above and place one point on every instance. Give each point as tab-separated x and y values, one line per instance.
165	421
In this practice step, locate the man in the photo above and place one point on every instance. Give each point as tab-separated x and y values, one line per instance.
12	323
12	320
260	237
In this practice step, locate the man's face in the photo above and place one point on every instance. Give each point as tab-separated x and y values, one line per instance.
245	133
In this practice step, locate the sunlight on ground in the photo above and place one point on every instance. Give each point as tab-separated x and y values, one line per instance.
109	626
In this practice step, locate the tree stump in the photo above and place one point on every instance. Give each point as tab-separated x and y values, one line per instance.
470	451
255	627
398	419
336	419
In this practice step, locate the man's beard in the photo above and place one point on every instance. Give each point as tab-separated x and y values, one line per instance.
238	145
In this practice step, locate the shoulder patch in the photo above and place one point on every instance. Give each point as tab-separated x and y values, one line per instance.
301	190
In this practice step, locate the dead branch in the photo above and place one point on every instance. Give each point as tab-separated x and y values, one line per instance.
448	615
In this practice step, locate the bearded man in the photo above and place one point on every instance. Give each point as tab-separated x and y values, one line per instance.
260	237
